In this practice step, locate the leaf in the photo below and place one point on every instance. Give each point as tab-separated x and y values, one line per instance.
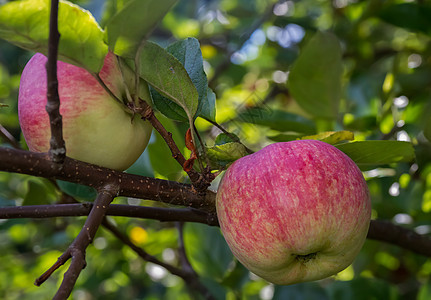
208	106
226	153
26	25
378	152
277	119
224	138
188	52
362	289
282	137
131	25
411	16
77	190
40	191
168	76
302	291
315	78
142	166
331	137
207	250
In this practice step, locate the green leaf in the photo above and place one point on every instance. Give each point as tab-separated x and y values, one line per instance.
315	78
207	250
378	152
26	25
77	190
40	191
224	138
188	52
277	119
142	166
411	16
208	106
331	137
131	25
226	153
362	289
168	76
302	291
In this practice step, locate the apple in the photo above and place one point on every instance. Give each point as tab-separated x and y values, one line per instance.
97	129
294	211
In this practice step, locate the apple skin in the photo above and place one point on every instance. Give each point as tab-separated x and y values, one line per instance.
96	128
294	211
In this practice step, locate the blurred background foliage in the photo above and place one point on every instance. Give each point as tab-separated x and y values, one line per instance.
249	48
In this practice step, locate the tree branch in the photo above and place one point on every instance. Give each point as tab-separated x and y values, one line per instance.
76	250
199	181
118	210
405	238
184	274
379	230
193	278
57	151
8	137
171	192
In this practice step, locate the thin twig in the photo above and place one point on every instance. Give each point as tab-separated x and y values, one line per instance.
184	274
57	150
198	180
9	137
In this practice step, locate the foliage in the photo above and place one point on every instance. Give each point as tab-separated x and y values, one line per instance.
352	73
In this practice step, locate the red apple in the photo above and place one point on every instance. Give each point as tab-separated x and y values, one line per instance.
295	211
96	127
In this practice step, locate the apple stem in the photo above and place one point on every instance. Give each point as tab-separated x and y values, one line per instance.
123	105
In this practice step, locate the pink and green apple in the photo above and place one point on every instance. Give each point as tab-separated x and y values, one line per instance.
294	211
96	128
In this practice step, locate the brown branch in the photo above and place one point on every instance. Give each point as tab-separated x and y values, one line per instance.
200	182
76	250
57	150
405	238
8	137
171	192
192	280
118	210
379	230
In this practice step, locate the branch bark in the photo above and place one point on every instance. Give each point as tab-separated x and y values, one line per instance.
379	230
118	210
57	150
171	192
405	238
190	279
76	250
200	181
